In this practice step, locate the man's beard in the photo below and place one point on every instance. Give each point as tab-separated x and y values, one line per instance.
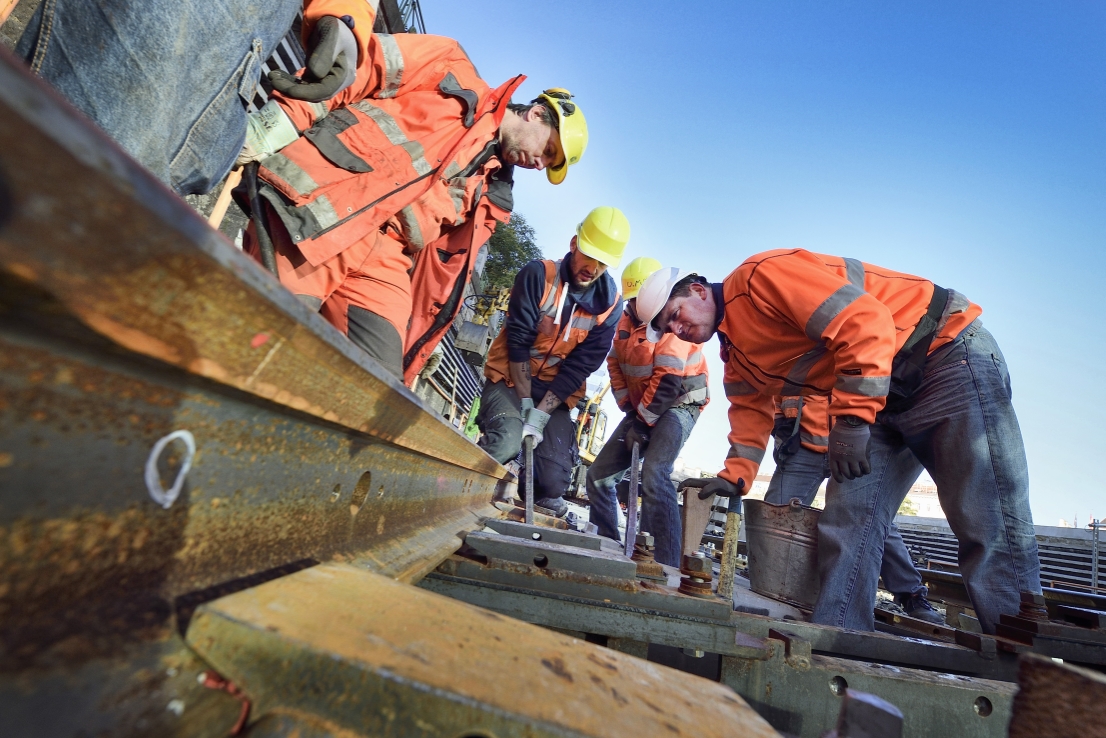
577	285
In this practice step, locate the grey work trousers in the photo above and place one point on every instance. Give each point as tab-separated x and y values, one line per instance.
500	419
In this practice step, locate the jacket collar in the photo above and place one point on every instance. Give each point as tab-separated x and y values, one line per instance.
719	304
597	297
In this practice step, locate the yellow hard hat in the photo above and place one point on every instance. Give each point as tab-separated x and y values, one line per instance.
603	235
635	273
571	125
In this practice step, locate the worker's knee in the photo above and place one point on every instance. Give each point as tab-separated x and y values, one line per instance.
377	337
502	437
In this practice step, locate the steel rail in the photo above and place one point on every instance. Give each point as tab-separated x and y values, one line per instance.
171	418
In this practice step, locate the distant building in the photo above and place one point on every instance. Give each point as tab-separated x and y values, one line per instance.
922	501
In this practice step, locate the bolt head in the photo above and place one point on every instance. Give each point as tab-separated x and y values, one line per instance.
645	539
699	564
1031	598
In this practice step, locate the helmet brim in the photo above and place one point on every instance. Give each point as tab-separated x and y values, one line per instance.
589	249
556	175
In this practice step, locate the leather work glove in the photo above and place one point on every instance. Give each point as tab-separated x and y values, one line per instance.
331	62
639	434
722	488
848	448
527	406
534	425
267	131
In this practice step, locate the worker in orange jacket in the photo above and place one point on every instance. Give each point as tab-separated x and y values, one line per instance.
800	438
914	379
662	388
378	199
560	321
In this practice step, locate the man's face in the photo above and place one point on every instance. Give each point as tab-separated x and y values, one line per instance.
532	144
583	269
691	317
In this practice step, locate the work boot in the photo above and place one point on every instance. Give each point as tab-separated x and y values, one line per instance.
917	606
555	505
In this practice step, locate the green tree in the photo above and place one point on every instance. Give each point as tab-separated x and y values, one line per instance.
908	507
509	248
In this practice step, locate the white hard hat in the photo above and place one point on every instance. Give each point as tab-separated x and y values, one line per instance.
654	294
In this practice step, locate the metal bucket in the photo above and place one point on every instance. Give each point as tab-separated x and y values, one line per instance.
783	551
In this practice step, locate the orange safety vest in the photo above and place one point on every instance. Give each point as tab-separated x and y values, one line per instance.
650	378
554	342
396	151
800	323
814	425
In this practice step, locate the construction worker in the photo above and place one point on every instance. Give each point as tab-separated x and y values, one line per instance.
560	322
403	146
662	388
171	81
914	379
801	437
379	199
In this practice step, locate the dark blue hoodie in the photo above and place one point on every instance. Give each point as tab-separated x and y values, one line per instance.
524	312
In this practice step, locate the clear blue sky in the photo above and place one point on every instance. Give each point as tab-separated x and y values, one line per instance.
963	142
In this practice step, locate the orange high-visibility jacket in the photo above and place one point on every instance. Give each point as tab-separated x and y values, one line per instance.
407	148
796	322
650	377
814	425
554	342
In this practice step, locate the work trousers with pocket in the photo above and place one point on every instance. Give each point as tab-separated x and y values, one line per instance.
500	420
170	81
364	292
961	427
660	512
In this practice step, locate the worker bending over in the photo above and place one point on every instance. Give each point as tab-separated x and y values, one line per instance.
914	380
560	322
800	435
378	199
662	388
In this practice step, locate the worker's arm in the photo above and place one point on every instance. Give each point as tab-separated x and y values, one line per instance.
815	426
619	387
751	416
586	357
679	376
521	325
859	330
389	65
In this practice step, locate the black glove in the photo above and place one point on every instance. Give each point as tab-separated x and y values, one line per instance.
848	448
639	434
722	488
331	62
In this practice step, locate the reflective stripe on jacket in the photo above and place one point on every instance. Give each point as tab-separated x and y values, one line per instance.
398	157
799	323
814	426
408	148
554	341
652	377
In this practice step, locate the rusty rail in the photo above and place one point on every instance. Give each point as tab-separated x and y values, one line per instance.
171	418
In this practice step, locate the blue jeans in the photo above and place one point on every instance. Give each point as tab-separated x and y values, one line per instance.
800	474
168	80
660	514
961	427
